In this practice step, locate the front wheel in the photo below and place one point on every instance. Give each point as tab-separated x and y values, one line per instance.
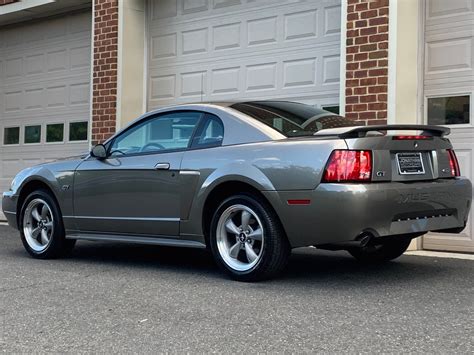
380	253
247	240
41	227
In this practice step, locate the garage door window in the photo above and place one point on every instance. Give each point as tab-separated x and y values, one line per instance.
11	135
78	131
54	133
448	110
32	134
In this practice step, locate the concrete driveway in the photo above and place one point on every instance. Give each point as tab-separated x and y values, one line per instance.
128	298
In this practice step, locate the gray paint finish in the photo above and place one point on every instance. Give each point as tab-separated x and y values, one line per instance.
127	196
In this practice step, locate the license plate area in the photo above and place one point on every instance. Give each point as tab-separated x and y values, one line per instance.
410	163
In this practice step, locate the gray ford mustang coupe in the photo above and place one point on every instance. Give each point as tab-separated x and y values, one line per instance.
250	181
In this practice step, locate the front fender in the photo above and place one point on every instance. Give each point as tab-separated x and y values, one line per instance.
42	175
58	178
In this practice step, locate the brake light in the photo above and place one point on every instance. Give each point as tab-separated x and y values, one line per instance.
453	163
348	166
410	138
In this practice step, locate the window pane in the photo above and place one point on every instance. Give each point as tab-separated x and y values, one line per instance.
78	131
448	110
55	132
11	135
292	118
32	134
165	132
333	109
211	134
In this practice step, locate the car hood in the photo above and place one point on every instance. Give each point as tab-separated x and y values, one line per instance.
77	158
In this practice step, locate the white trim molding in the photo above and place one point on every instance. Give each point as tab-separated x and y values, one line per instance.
392	61
342	61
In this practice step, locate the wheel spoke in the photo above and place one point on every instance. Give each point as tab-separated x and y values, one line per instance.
256	234
234	250
35	232
35	214
251	256
231	227
245	219
44	237
49	225
44	212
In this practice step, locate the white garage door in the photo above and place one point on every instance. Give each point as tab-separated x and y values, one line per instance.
44	91
209	50
449	93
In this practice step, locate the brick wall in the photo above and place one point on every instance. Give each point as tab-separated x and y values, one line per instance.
6	2
104	85
367	60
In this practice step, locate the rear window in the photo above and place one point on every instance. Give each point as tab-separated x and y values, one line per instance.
291	118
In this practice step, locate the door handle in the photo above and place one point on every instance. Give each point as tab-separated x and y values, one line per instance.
162	166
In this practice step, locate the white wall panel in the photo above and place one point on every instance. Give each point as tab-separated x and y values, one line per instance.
225	80
44	78
243	49
448	71
301	25
226	36
194	41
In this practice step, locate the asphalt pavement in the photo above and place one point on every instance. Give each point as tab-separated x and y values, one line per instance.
135	298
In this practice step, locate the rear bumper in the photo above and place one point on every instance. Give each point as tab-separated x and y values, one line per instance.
9	208
341	212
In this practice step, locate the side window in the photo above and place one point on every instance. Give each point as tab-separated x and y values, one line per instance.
210	133
161	133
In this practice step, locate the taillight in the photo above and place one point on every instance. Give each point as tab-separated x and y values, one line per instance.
453	163
348	166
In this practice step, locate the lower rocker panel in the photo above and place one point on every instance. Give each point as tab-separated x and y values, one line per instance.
138	240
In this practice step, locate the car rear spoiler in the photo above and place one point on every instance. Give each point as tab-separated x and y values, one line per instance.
361	131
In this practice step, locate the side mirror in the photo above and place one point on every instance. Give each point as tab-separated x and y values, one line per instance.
99	151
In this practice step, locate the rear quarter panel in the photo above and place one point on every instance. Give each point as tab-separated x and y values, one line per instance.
284	165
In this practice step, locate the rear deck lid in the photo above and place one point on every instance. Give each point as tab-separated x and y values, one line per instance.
402	153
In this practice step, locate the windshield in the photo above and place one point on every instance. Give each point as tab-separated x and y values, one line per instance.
291	118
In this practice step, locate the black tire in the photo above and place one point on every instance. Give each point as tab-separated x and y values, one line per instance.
275	251
381	253
59	245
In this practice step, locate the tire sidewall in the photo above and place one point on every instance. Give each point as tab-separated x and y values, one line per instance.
58	230
268	231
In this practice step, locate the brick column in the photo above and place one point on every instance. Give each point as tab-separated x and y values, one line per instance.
367	60
104	85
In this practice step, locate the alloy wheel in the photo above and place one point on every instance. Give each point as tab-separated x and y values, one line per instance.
38	224
240	237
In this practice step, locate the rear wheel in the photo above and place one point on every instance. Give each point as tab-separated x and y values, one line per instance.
380	253
247	240
41	227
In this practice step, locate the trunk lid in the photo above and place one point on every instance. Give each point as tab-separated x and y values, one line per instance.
405	155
